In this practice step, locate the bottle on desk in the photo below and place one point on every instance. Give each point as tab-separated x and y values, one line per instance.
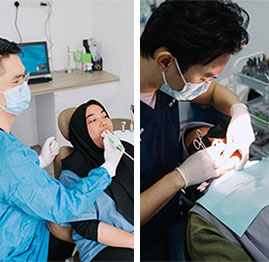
69	53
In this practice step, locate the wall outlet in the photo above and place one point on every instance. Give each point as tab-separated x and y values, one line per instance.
31	3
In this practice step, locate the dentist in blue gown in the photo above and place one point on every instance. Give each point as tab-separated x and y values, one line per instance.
185	44
28	196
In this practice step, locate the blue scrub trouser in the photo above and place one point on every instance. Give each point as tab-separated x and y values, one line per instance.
169	245
176	236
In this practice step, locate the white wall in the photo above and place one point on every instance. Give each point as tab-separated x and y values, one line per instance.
258	31
110	22
25	126
68	25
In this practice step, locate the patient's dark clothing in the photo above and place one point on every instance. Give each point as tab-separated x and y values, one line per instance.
87	228
118	254
254	241
59	250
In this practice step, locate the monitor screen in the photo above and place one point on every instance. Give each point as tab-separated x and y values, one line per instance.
34	57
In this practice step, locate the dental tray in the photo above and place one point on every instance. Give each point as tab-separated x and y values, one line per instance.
255	81
262	138
259	110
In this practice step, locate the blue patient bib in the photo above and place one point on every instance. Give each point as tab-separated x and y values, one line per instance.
237	197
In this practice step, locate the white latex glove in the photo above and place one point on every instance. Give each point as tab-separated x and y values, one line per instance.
48	152
239	134
112	155
199	167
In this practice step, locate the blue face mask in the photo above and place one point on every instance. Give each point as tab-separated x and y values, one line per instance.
190	90
17	99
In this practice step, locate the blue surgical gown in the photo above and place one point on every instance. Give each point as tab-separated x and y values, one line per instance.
29	197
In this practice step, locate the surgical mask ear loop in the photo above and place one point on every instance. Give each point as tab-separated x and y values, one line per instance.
1	91
164	78
179	70
165	81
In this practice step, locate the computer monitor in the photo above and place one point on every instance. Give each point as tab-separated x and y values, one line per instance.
34	57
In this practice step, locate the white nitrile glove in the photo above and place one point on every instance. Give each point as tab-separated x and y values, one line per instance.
198	167
48	152
239	134
112	155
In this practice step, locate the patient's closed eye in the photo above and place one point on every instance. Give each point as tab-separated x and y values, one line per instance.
103	114
92	120
16	81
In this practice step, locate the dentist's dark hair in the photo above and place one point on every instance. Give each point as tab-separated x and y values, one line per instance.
195	32
7	48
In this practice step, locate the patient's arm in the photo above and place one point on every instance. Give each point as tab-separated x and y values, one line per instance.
61	232
115	237
104	233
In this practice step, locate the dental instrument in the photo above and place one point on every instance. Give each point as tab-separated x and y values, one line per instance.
116	144
132	118
197	142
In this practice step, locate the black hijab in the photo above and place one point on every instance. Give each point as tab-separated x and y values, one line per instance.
88	156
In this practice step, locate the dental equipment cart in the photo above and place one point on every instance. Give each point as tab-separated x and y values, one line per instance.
253	71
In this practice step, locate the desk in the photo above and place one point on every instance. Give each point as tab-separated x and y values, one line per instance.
63	81
39	121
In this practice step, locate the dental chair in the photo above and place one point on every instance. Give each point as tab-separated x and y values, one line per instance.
120	123
63	123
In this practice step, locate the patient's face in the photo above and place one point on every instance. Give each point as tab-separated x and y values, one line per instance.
97	122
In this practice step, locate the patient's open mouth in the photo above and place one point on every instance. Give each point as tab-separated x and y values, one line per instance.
220	143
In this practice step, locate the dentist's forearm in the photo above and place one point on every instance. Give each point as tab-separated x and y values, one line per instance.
223	99
220	97
158	195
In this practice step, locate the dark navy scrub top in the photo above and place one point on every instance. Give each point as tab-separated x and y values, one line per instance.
159	155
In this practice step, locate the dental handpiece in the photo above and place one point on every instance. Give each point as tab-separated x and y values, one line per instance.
116	144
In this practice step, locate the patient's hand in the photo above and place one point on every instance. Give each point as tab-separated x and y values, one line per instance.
60	232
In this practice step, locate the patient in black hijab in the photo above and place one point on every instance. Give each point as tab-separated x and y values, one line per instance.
105	232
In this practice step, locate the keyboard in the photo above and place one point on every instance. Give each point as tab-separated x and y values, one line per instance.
39	80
